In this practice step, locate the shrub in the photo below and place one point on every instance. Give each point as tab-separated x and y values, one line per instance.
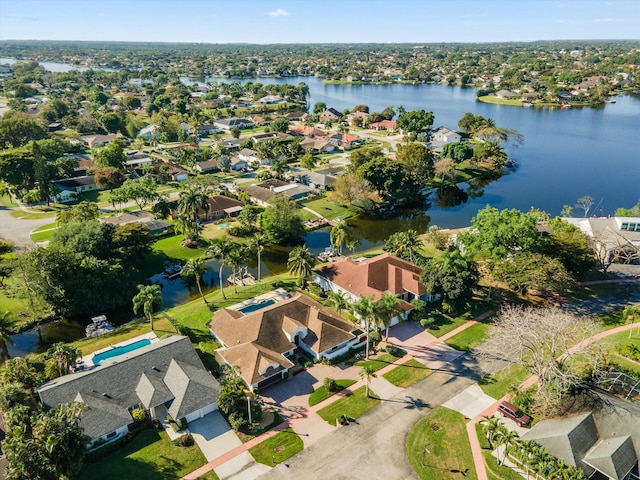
375	337
185	440
525	399
330	384
395	351
315	289
139	415
237	421
426	322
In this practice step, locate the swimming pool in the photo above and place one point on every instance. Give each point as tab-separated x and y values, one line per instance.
257	306
117	351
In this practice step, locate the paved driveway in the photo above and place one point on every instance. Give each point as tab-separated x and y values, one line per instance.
471	402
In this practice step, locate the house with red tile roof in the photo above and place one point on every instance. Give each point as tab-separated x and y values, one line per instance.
375	276
261	343
389	125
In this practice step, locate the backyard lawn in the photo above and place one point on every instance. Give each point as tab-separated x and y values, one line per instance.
320	394
149	456
278	448
331	210
438	446
353	404
407	374
444	323
171	247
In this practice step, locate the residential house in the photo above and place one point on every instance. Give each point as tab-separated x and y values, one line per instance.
229	123
248	155
68	189
259	120
138	160
604	443
207	166
306	131
270	99
208	130
156	226
358	118
238	164
231	144
384	273
389	125
262	343
318	179
177	173
264	137
54	127
150	132
445	135
220	206
297	116
506	94
343	140
317	145
93	141
614	239
330	115
263	192
164	378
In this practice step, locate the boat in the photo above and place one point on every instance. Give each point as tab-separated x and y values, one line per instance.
565	106
242	277
527	105
172	270
99	326
329	255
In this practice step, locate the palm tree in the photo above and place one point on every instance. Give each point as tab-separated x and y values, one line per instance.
508	438
365	308
62	357
182	224
491	426
191	199
220	250
148	296
339	300
409	243
235	259
5	338
257	243
195	267
367	373
301	263
341	234
387	308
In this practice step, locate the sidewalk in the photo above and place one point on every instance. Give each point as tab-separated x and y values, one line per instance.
305	421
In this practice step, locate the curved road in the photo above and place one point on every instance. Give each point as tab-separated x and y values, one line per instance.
17	230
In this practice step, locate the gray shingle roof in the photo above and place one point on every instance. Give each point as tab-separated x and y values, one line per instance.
614	457
152	375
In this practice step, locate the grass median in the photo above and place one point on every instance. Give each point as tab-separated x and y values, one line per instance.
353	404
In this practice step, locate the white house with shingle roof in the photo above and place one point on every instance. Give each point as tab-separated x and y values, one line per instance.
261	343
165	377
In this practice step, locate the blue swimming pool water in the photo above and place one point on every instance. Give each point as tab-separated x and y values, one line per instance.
116	351
256	306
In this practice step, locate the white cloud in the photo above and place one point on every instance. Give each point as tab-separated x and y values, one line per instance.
19	16
279	13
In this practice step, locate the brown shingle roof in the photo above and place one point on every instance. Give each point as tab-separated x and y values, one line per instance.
259	339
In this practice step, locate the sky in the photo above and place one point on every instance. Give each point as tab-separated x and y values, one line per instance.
319	21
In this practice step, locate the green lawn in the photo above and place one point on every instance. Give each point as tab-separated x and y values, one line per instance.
503	381
281	446
43	235
444	323
331	210
380	362
171	247
622	338
353	404
320	394
470	337
494	471
443	433
149	456
407	374
499	101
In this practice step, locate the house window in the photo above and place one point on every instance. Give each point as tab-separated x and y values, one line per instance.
111	435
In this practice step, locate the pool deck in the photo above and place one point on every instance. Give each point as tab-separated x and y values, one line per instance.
87	360
276	295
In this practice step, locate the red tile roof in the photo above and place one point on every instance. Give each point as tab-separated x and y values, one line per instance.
375	276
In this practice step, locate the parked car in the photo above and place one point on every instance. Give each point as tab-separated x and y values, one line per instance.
505	409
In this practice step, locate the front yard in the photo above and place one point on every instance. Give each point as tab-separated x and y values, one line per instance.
438	446
149	456
407	374
353	404
278	448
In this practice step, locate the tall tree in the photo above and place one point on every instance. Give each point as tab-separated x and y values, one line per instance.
365	308
340	235
60	358
111	155
220	250
196	268
257	244
367	373
281	223
191	199
147	298
5	337
387	308
300	263
405	245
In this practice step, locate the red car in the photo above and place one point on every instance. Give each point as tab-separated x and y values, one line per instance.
505	409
